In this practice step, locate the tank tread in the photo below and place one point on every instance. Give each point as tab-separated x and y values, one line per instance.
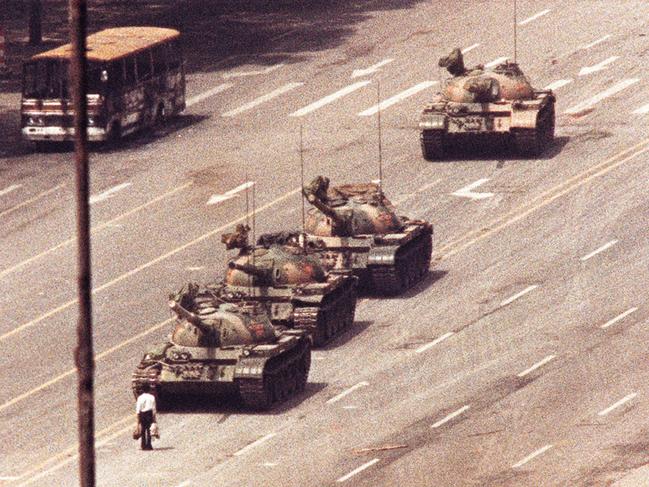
432	144
281	379
532	142
411	265
145	374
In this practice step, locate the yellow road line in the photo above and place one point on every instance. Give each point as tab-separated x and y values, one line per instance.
70	372
31	200
139	269
101	226
515	215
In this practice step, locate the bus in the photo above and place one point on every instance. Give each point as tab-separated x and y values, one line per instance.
136	79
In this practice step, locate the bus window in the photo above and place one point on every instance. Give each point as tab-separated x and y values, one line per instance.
115	71
43	79
174	55
129	71
95	84
144	65
159	59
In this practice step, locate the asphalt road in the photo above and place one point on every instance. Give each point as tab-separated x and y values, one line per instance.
518	362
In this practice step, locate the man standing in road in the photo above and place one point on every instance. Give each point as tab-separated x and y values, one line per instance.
145	408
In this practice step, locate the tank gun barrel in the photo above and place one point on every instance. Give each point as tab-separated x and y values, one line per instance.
249	269
189	316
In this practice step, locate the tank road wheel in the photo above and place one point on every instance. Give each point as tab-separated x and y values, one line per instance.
532	142
432	144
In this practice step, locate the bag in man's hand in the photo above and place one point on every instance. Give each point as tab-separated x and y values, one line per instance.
155	432
137	432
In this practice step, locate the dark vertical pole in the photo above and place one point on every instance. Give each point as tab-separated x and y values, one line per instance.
302	180
84	353
35	22
378	105
515	31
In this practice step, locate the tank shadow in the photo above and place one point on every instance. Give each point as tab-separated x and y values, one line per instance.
357	328
229	404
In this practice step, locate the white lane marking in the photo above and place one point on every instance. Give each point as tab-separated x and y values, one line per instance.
642	110
598	250
495	62
254	444
513	298
622	401
372	69
534	17
538	364
555	85
211	92
31	200
376	181
9	189
196	268
428	345
329	98
269	464
531	456
262	99
450	416
357	470
348	391
241	74
184	484
109	193
467	191
587	104
598	67
219	198
9	478
350	407
594	43
388	102
619	317
470	48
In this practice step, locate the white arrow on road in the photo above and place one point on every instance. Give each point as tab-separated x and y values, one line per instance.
372	69
241	74
598	67
218	198
109	193
467	191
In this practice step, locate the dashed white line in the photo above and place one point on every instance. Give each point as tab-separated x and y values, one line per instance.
642	110
532	456
31	200
622	401
495	62
470	48
347	392
358	470
388	102
9	478
219	198
242	74
372	69
449	417
594	43
619	317
426	346
109	193
350	407
538	364
269	464
329	98
9	189
599	250
467	191
184	484
534	17
513	298
587	104
597	67
555	85
254	444
195	268
262	99
211	92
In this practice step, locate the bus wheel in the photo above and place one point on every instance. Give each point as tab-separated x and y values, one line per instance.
160	116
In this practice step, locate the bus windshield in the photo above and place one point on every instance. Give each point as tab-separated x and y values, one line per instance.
48	78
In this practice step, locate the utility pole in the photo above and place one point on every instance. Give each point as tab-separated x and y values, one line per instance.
84	356
35	22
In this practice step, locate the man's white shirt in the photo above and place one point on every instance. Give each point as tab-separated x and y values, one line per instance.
145	402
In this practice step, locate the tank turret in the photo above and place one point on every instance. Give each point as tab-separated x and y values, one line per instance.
348	210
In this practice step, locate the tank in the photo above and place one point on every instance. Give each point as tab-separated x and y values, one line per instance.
290	282
218	348
477	103
355	227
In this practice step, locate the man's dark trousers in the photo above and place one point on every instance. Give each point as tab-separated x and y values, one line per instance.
146	418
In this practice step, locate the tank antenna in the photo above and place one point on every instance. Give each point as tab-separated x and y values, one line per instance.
248	221
378	105
515	30
302	177
254	237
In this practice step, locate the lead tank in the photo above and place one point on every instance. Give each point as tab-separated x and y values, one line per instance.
355	227
290	282
218	348
477	103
